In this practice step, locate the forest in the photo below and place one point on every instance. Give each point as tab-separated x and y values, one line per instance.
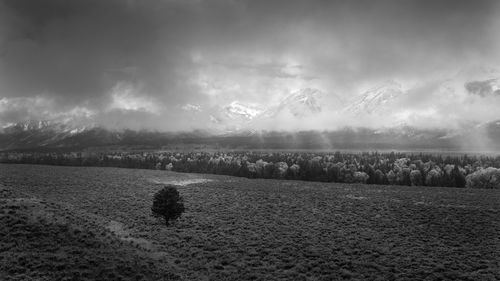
394	168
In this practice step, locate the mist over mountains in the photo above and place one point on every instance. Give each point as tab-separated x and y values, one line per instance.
468	97
386	116
45	135
240	67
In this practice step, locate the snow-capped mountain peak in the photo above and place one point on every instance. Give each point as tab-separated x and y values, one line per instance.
305	96
237	109
375	98
300	103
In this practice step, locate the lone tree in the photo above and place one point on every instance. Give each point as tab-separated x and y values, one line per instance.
167	203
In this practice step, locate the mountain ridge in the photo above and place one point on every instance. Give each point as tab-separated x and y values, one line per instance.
239	119
348	137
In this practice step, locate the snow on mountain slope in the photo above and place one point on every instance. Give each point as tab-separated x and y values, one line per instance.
57	127
376	99
30	125
39	133
238	110
301	103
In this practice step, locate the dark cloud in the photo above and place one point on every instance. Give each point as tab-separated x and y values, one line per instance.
171	52
77	50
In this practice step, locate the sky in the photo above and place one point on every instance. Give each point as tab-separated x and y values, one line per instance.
171	65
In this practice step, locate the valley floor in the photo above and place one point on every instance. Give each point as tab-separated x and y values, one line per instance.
95	223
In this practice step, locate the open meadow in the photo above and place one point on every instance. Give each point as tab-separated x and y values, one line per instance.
95	223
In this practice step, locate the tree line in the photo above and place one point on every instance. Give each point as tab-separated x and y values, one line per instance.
412	169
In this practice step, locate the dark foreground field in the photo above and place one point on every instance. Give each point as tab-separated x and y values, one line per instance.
95	223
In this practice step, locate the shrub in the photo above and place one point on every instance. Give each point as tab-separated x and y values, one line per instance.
167	203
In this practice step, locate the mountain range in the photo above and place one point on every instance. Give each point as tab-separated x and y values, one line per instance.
236	123
386	99
47	136
299	104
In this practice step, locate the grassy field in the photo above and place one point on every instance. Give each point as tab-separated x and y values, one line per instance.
240	229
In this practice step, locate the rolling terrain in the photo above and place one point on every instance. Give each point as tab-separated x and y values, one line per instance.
241	229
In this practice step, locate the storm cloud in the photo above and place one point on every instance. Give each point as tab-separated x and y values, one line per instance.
139	63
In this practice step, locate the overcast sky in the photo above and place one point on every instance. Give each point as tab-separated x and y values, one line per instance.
138	63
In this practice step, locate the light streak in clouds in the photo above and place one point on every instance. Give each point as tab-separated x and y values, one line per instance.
139	63
127	97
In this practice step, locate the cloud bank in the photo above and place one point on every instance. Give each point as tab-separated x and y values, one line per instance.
139	64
